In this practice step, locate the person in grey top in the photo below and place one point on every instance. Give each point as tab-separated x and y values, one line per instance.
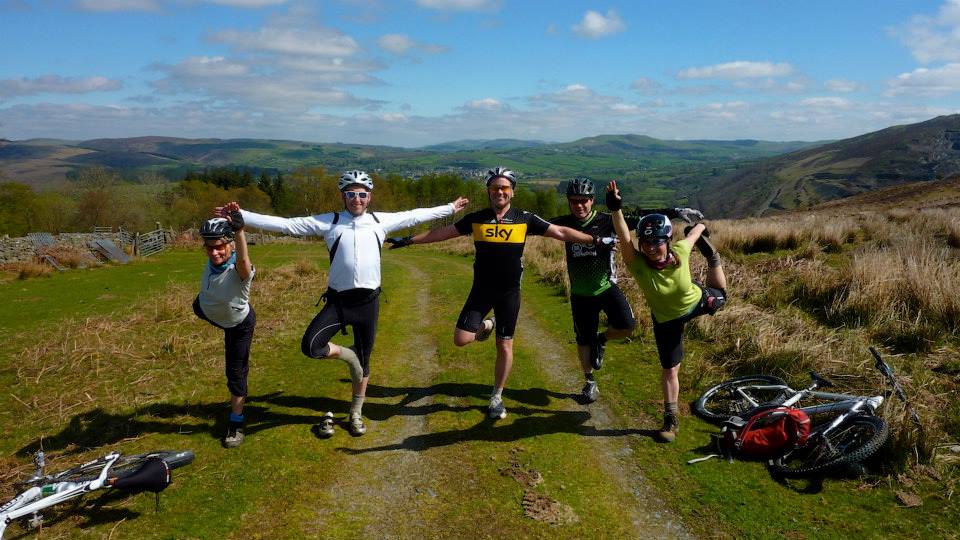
224	301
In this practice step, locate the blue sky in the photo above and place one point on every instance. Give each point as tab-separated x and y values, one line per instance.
416	72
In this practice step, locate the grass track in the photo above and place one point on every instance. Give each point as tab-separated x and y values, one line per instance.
430	465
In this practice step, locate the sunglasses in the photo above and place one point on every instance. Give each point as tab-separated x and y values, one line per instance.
210	248
355	194
655	242
579	200
494	189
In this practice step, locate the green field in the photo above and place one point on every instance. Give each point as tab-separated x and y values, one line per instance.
113	358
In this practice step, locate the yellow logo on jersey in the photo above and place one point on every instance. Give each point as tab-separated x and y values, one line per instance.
514	233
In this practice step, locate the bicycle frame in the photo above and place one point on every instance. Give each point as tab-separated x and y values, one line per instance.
51	493
842	403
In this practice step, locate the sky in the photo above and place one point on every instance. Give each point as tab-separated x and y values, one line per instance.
417	72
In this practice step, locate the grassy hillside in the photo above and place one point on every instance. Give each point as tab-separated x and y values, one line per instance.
926	151
39	162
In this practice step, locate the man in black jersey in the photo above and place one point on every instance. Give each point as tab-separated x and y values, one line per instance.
499	234
593	279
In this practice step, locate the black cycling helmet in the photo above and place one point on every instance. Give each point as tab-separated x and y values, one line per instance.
580	186
215	229
654	226
501	172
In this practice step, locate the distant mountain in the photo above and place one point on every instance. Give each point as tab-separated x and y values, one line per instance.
629	157
897	155
467	145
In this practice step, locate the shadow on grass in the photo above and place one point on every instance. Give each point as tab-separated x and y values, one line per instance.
99	427
530	422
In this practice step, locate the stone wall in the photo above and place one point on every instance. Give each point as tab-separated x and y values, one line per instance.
21	248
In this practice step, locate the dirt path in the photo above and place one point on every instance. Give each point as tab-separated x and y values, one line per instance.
385	486
557	359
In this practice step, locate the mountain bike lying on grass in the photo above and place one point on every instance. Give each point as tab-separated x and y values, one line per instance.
851	436
134	473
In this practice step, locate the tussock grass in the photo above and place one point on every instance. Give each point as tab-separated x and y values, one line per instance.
28	269
811	291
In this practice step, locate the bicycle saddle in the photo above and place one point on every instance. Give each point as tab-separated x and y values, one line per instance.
821	382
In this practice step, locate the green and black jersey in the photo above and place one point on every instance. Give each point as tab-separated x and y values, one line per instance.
499	244
591	267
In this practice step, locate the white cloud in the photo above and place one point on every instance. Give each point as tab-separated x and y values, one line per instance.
300	41
827	102
396	43
485	104
400	44
841	85
116	5
646	85
932	39
740	69
594	25
926	81
249	4
55	84
460	5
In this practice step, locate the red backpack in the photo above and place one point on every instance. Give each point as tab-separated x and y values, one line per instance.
768	433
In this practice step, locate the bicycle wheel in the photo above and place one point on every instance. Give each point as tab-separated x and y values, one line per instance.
854	440
123	466
728	398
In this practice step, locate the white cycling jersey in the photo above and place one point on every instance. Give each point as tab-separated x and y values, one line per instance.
354	242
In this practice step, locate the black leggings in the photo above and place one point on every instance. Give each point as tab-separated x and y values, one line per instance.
586	313
333	317
669	334
236	346
504	302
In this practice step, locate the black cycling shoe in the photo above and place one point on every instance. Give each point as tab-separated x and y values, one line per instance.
596	354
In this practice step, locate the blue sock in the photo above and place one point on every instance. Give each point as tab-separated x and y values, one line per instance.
236	419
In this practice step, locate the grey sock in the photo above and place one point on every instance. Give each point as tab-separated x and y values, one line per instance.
350	357
670	408
355	406
496	394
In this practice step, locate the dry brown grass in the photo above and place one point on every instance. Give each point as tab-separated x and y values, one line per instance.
28	269
124	361
811	291
71	256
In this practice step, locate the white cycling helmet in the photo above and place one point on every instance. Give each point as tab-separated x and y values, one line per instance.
355	178
501	172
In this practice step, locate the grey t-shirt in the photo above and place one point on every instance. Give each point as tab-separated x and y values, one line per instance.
224	297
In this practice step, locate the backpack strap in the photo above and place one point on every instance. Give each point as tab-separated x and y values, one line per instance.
336	218
374	216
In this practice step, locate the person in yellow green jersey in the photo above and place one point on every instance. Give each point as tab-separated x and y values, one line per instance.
593	278
661	268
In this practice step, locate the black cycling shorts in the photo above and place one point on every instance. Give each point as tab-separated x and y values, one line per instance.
669	335
504	302
337	314
586	313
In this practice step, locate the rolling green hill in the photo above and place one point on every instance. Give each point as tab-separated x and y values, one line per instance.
897	155
41	162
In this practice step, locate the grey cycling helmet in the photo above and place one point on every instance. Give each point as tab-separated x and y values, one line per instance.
654	226
580	186
215	229
501	172
355	178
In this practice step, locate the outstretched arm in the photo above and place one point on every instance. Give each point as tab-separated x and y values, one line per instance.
695	233
620	224
567	234
243	265
433	235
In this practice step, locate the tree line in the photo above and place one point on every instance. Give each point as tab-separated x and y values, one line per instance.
101	197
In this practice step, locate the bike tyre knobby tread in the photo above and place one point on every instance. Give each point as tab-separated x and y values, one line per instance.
701	408
858	454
